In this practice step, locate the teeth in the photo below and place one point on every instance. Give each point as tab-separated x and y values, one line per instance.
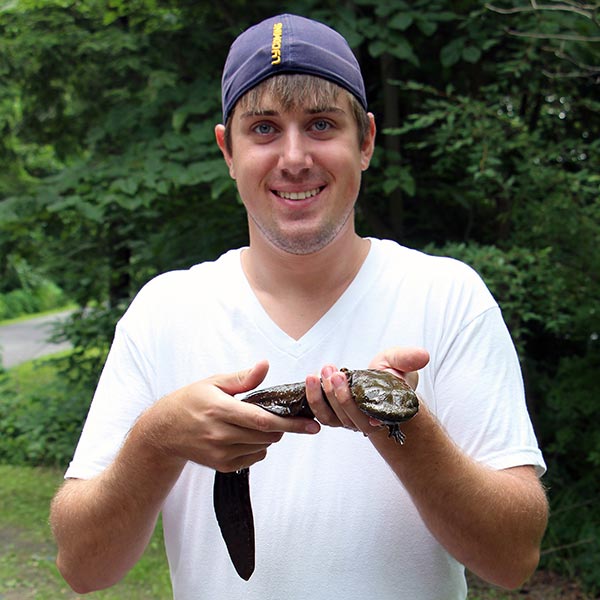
298	195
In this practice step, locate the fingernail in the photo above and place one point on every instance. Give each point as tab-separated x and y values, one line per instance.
313	384
312	427
338	380
327	371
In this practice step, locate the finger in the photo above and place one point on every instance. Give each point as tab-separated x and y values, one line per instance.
241	458
260	420
412	379
237	458
317	402
242	381
403	361
401	358
239	431
334	416
344	405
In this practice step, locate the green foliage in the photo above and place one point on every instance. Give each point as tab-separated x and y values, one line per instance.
576	440
21	302
489	146
26	291
139	163
41	416
571	545
533	295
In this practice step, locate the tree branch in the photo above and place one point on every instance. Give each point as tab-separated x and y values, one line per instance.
571	75
555	36
566	546
586	11
576	4
591	69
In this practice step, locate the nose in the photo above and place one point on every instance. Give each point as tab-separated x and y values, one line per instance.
295	156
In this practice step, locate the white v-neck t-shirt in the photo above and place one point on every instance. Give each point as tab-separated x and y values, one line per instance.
331	518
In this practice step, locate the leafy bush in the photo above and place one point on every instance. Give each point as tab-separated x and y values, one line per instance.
572	451
41	414
25	290
17	303
544	310
572	542
533	293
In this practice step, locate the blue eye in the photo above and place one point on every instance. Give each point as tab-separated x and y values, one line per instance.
263	128
321	125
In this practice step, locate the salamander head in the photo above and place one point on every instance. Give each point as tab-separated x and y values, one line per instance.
383	396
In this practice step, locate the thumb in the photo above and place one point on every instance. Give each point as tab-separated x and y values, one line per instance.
243	381
404	359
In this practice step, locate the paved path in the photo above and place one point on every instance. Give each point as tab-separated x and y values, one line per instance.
25	340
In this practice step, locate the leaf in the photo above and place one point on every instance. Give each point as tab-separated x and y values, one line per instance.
377	48
389	185
402	49
385	9
401	21
175	172
128	186
428	28
409	185
91	212
163	187
471	54
178	120
444	16
450	54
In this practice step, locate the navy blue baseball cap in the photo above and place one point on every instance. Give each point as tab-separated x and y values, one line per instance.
288	44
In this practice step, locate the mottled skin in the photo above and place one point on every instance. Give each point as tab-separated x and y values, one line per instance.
378	394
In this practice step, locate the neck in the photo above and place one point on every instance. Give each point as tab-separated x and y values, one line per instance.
270	269
297	290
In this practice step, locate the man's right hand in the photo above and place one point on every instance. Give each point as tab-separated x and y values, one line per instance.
204	423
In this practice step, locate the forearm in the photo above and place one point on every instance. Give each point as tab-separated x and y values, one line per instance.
103	525
491	521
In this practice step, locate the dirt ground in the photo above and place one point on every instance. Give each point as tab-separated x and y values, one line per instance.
543	585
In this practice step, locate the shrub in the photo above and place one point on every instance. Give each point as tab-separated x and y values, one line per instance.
554	323
41	414
572	452
17	303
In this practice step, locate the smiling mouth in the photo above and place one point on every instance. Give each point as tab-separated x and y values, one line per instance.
298	195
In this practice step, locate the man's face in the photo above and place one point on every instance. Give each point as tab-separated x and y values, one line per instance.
297	170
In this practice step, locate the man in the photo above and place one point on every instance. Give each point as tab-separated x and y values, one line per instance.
338	514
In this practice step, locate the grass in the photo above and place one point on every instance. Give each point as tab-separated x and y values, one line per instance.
32	377
27	550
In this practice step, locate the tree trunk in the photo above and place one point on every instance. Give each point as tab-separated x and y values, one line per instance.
391	143
119	285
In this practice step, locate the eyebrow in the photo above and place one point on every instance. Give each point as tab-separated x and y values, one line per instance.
259	113
317	110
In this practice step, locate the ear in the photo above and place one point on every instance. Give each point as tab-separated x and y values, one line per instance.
368	147
220	137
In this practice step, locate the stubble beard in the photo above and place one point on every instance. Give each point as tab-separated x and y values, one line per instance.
304	243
